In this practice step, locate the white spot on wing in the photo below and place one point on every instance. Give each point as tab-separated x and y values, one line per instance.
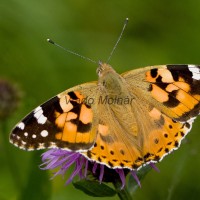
37	109
52	144
38	114
23	142
195	71
25	134
21	125
44	133
33	136
42	119
41	146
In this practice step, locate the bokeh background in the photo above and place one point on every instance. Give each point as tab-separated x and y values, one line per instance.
159	32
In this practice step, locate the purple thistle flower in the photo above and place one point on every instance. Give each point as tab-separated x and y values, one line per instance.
64	159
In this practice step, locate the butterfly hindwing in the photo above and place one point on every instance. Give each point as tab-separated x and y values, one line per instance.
164	135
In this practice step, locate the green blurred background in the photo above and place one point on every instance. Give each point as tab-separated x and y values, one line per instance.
159	32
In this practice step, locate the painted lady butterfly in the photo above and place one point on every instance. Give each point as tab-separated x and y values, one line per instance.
121	121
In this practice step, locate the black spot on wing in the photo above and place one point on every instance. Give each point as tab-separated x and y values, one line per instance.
162	120
73	95
166	135
166	150
160	150
139	159
156	140
135	166
187	125
106	138
76	107
150	88
50	107
172	101
169	143
121	164
159	79
176	144
112	152
195	87
180	71
122	151
159	122
55	103
110	163
81	127
87	106
89	155
72	146
102	147
161	85
154	72
156	158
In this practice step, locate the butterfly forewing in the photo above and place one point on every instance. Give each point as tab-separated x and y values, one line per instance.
65	121
173	89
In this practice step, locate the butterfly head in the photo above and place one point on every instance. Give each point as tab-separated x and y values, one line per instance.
109	80
103	69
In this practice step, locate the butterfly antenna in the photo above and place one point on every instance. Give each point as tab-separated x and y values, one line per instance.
119	38
71	52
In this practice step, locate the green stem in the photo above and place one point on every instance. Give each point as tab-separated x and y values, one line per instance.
8	155
123	194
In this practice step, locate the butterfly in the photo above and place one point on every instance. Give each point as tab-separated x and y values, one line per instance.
121	121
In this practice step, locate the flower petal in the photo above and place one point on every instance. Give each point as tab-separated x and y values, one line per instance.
122	177
133	173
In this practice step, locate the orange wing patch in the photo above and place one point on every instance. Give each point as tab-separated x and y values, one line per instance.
75	122
176	88
112	152
120	153
165	138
